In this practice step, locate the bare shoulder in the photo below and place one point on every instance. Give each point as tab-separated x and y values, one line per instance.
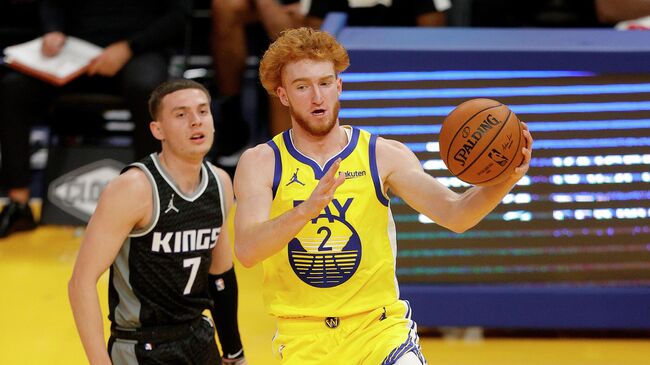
393	159
385	145
390	151
130	194
256	166
258	155
131	182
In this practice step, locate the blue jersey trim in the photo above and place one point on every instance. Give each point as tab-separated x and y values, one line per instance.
277	171
374	172
318	171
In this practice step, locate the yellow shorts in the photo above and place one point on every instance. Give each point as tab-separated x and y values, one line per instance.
378	337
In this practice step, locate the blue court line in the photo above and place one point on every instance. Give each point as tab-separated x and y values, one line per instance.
440	111
458	75
495	92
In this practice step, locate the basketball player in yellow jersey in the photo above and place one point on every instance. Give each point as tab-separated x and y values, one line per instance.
313	208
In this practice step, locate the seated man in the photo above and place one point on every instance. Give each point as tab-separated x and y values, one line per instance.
137	36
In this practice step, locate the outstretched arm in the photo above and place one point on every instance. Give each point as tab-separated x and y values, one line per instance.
257	236
402	173
104	237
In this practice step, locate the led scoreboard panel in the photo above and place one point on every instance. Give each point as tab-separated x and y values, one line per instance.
579	217
574	235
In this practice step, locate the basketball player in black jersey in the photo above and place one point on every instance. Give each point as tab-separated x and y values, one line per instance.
160	227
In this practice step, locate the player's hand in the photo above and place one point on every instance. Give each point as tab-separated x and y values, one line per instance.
324	192
526	150
52	44
111	60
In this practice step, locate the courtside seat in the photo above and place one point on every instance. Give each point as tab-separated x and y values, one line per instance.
90	118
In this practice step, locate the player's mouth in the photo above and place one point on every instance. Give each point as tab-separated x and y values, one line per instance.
318	112
198	137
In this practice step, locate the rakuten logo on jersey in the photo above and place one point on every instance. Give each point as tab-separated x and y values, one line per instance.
185	241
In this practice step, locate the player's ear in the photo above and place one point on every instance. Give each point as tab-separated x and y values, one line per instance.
154	127
282	94
339	84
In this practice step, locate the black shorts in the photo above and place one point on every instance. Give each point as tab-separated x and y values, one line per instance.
197	346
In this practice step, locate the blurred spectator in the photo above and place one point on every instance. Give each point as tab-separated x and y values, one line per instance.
137	36
380	12
231	19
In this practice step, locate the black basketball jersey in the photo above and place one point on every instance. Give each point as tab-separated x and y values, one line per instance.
160	275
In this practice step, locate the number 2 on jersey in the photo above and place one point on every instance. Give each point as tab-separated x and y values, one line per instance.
328	234
194	264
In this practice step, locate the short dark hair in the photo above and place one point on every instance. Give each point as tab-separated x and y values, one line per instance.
169	87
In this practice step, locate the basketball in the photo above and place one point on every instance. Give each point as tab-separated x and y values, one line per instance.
480	142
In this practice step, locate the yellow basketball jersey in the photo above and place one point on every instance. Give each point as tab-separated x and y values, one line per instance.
342	262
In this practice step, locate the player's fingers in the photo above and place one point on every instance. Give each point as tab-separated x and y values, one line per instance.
329	185
328	179
340	179
524	126
529	136
525	133
523	167
331	172
527	154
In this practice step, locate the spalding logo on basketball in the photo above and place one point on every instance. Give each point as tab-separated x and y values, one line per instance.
481	141
327	251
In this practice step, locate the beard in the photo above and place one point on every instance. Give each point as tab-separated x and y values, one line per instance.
317	129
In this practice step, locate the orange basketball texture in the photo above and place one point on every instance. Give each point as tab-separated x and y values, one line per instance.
481	141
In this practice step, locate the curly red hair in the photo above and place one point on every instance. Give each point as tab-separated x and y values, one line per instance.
299	44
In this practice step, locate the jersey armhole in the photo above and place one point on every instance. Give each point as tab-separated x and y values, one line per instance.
155	214
222	203
277	170
374	172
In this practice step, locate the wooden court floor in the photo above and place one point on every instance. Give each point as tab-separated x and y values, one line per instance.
36	325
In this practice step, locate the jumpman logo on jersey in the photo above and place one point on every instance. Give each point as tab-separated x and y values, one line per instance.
171	206
294	179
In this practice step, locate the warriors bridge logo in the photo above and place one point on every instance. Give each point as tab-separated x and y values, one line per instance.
327	251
